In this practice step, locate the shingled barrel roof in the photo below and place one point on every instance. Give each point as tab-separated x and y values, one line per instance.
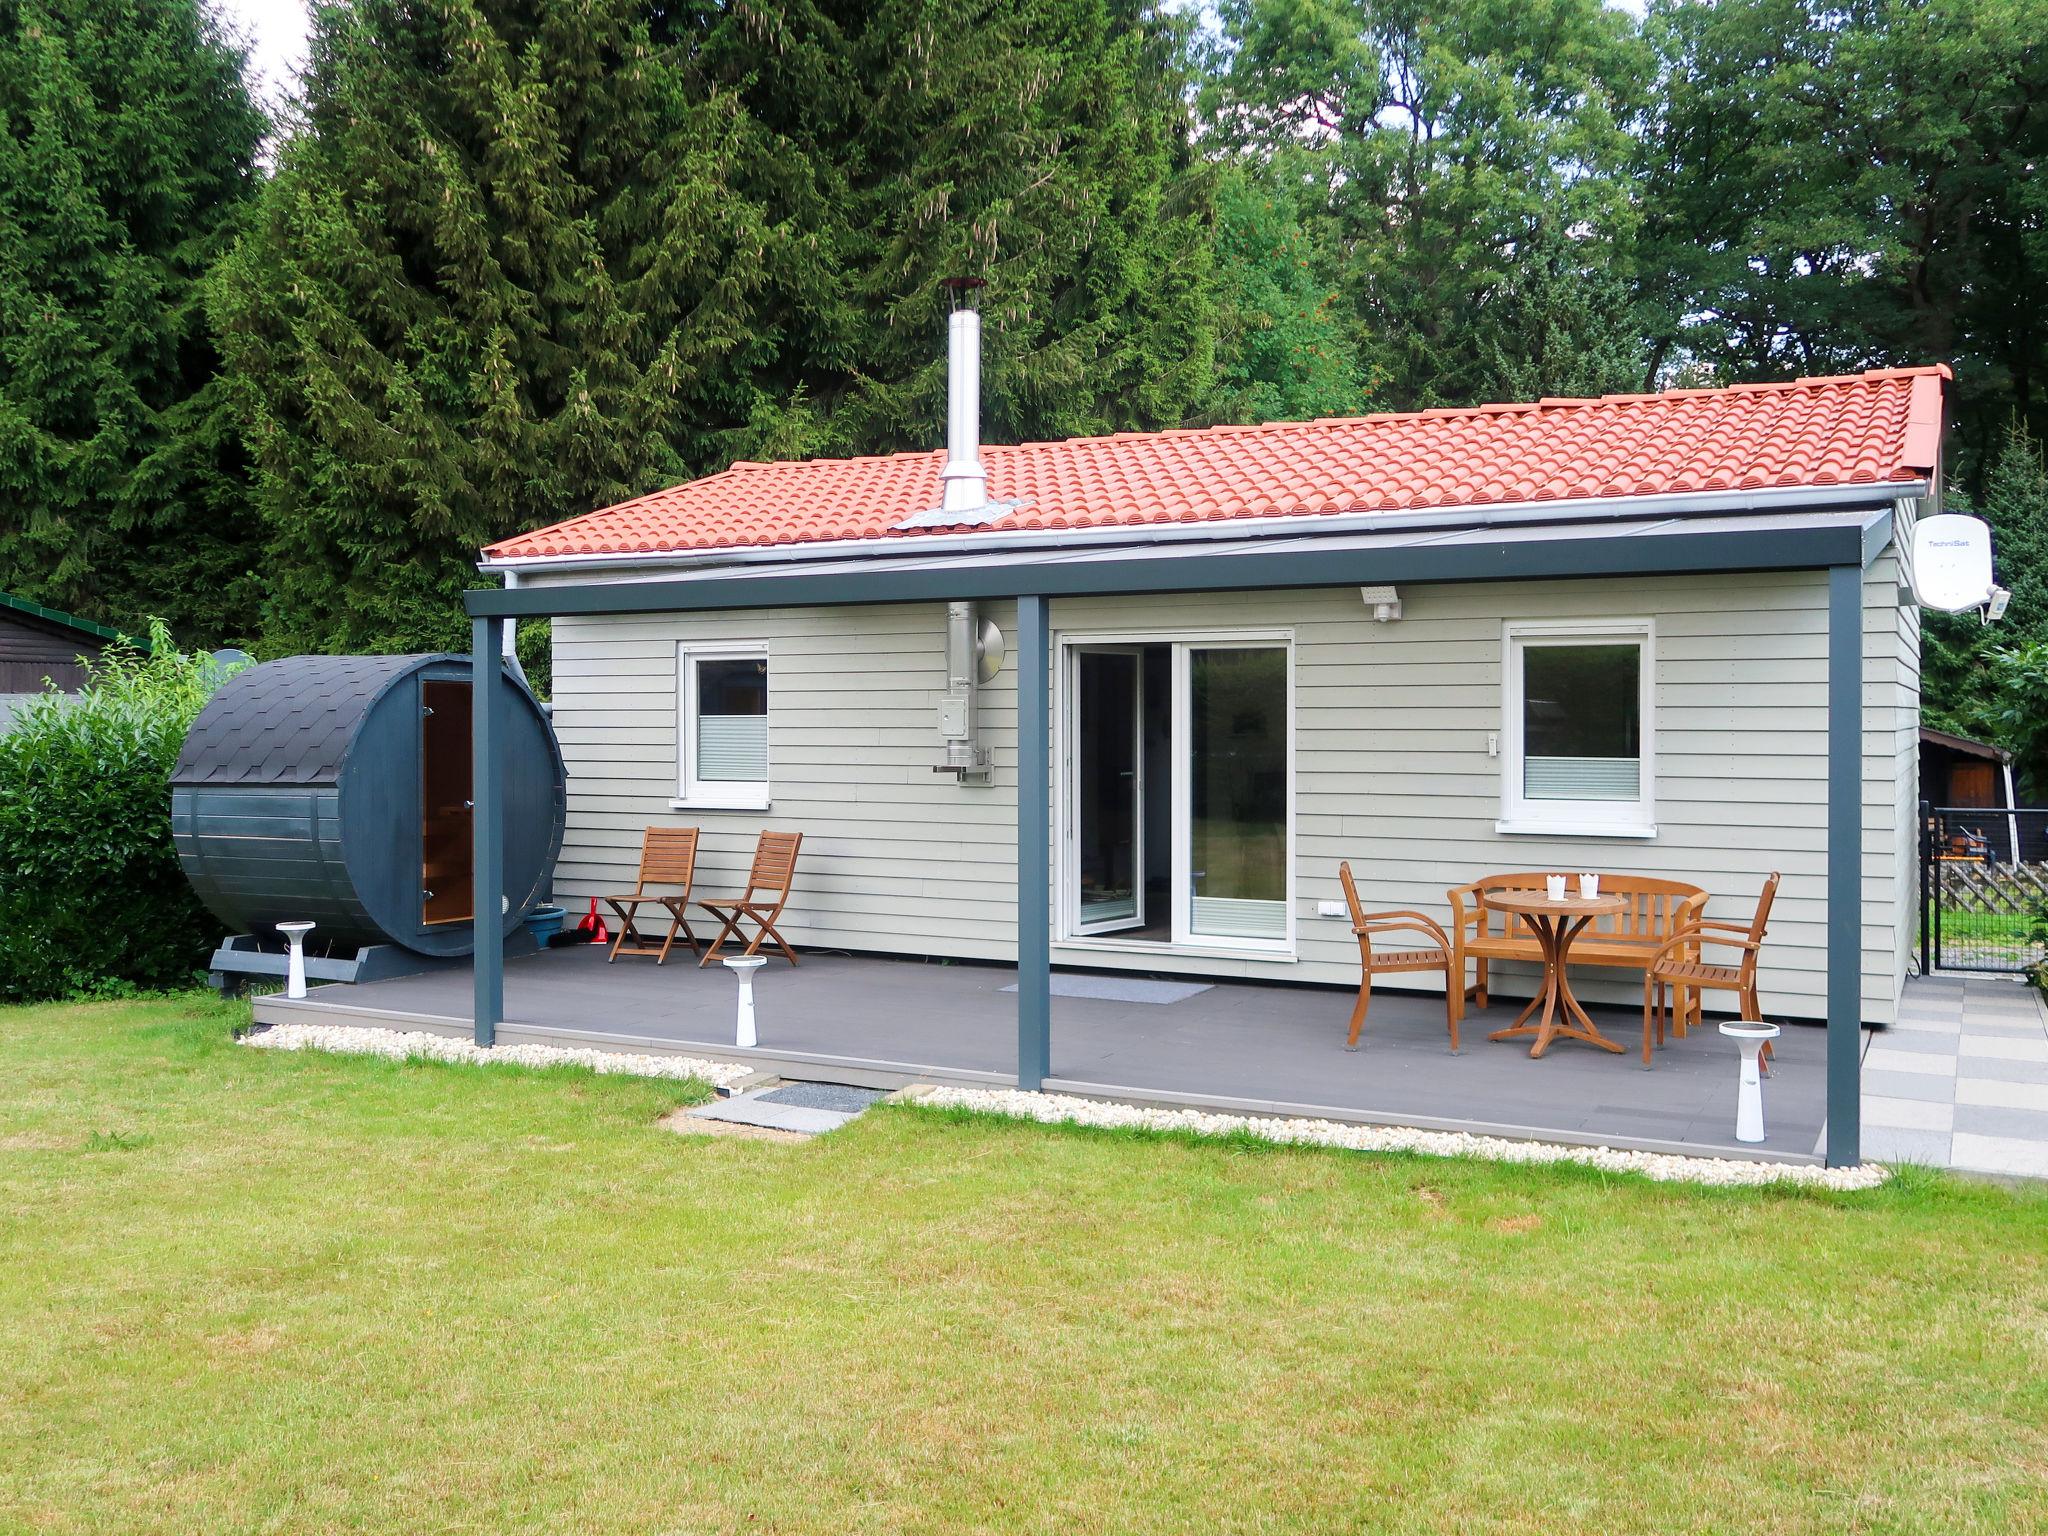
290	721
1868	428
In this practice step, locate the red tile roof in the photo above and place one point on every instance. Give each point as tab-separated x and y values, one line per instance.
1863	429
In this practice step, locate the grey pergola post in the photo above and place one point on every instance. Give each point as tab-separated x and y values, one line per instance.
487	824
1845	866
1034	843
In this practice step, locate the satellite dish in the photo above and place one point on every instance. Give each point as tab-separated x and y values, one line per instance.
1951	562
988	651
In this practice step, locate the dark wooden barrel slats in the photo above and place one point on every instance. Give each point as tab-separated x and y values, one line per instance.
335	789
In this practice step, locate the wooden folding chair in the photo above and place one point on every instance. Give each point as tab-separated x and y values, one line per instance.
668	857
773	872
1435	956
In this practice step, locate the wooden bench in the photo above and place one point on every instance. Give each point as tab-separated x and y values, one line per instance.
1630	938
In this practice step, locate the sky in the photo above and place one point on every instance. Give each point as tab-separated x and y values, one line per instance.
275	31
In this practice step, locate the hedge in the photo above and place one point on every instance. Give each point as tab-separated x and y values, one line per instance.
91	897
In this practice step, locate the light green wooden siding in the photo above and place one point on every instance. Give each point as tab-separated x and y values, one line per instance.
895	856
1392	770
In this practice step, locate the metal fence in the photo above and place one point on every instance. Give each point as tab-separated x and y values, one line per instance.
1983	889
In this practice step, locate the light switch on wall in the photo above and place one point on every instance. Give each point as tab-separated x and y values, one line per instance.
1493	743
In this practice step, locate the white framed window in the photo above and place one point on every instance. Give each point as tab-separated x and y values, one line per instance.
1578	732
722	721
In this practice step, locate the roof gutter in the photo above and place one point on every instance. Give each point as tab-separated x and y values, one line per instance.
1880	493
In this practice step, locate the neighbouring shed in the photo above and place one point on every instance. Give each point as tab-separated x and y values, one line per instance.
337	789
40	649
1956	771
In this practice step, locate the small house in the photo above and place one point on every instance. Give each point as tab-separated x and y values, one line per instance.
1123	704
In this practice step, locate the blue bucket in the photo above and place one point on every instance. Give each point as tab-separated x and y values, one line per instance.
544	923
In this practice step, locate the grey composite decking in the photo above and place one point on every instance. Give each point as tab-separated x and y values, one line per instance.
1266	1049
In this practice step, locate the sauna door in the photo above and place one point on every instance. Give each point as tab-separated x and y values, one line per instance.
447	818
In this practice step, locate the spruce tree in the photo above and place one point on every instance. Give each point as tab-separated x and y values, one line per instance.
1040	145
2015	504
129	151
522	259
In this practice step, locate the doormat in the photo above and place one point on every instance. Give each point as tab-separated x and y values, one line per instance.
843	1098
1123	989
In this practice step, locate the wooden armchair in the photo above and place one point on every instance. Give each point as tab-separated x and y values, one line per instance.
668	857
1373	962
1680	968
767	893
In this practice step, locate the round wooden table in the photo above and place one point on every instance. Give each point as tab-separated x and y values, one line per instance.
1555	924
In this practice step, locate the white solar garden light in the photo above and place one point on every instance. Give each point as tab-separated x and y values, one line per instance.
1751	1035
295	974
744	966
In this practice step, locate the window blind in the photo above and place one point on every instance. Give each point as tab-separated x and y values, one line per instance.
732	749
1582	778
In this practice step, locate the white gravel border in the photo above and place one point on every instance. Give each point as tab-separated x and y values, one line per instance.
1055	1108
399	1045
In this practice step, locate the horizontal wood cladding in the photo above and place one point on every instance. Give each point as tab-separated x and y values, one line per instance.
1393	771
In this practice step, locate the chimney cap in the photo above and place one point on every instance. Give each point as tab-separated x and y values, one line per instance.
963	289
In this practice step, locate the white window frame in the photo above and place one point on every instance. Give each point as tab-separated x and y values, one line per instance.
692	793
1576	818
1066	904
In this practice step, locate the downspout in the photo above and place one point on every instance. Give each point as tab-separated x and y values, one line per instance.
511	645
2012	820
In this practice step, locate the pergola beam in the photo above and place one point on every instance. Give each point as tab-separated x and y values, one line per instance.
1297	562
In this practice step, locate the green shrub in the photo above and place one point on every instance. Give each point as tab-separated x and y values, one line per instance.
91	896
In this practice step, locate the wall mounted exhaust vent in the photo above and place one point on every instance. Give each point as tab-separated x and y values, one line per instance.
964	503
974	654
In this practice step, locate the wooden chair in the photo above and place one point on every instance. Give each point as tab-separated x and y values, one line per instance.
1371	962
773	871
1680	968
668	857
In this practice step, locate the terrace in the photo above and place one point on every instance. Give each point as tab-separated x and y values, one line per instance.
1263	1049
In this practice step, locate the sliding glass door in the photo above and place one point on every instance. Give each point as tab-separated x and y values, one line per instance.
1107	791
1236	716
1201	756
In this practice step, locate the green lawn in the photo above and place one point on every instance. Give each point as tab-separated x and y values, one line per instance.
251	1291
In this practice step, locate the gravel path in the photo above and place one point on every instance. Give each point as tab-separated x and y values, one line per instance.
1053	1108
397	1045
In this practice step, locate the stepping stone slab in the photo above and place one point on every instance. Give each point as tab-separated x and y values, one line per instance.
809	1109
